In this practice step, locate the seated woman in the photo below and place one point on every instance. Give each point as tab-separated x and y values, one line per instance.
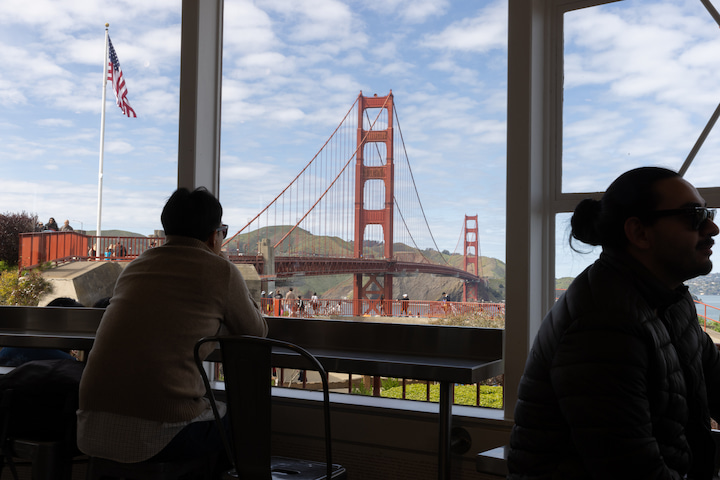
14	356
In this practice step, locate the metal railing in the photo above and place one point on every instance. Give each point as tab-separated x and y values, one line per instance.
371	385
713	316
307	308
59	247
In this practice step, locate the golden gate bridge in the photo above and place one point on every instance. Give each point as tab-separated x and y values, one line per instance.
353	209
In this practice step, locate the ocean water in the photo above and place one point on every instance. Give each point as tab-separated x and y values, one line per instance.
713	306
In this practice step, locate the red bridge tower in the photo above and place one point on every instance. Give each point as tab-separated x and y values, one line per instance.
363	217
471	290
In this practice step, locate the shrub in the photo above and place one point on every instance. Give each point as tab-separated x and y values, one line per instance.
11	226
23	290
490	396
472	319
710	324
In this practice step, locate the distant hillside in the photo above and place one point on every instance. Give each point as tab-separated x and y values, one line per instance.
418	286
115	233
705	285
699	286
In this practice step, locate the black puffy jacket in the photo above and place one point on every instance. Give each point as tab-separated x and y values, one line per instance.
620	383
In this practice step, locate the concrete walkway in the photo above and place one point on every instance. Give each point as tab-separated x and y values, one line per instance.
714	335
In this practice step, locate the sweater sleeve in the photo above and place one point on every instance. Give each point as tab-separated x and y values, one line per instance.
242	315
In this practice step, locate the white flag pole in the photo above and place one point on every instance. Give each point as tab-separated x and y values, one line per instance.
102	145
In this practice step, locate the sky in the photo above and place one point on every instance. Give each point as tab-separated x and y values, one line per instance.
640	84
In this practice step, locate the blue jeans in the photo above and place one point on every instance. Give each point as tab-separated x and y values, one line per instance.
16	356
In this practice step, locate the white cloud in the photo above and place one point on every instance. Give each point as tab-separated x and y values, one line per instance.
55	122
408	11
484	32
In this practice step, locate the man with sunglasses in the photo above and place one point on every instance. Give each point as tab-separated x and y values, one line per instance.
621	382
141	396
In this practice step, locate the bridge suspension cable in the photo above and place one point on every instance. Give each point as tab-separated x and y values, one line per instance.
314	214
412	177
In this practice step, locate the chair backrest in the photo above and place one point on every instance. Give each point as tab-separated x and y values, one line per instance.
247	366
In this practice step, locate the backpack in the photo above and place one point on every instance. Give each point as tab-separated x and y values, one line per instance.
38	400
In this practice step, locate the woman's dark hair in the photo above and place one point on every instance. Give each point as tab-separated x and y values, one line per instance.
193	214
632	194
64	302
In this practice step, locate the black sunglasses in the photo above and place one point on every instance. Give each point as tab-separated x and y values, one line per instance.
224	229
697	215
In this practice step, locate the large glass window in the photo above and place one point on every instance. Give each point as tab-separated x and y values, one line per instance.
50	117
640	85
292	74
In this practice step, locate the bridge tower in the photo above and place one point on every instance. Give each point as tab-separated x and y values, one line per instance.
364	217
471	290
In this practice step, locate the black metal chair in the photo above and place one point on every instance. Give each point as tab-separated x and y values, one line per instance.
247	368
191	468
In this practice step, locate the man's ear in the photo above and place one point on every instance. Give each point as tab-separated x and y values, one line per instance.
210	242
638	234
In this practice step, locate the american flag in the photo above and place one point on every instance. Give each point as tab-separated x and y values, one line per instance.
115	75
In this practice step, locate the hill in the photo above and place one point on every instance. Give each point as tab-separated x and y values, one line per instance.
706	285
115	233
417	286
700	286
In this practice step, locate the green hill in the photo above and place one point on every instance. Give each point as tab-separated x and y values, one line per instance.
418	286
115	233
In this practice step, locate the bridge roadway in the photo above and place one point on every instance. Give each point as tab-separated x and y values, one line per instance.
317	265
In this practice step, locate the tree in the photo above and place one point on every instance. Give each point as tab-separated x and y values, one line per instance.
11	226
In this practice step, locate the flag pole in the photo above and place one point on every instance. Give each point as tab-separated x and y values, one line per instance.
102	145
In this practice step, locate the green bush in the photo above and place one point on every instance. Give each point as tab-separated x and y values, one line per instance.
711	324
25	289
480	319
361	389
490	396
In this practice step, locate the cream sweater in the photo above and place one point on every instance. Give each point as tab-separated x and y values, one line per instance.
141	364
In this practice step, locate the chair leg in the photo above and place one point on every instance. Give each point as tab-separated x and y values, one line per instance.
48	464
7	459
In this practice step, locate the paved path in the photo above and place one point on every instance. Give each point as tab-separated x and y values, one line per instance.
714	335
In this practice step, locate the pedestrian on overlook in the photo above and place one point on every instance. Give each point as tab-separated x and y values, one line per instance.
404	305
290	303
141	396
301	306
621	382
269	303
66	227
445	299
51	225
314	303
119	250
279	298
